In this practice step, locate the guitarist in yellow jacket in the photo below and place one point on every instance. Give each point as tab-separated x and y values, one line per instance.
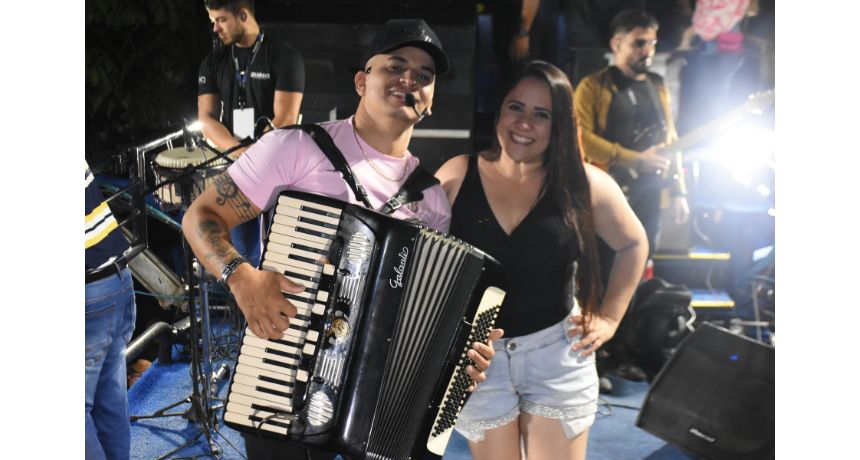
624	124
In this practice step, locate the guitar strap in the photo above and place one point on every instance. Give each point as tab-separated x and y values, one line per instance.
656	130
658	106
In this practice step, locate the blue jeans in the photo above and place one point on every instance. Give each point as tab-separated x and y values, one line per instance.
110	315
246	240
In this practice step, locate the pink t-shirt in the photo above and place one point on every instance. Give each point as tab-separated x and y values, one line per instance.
289	159
715	17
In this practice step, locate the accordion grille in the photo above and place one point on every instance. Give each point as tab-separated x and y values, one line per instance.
422	333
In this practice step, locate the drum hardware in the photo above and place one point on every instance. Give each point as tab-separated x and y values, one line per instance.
159	333
204	381
201	410
190	135
157	278
137	168
149	210
180	169
192	167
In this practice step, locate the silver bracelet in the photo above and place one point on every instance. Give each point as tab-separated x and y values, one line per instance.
231	267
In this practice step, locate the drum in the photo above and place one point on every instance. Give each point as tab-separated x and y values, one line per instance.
169	164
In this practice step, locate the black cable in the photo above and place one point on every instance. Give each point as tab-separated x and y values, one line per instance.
624	406
609	407
241	454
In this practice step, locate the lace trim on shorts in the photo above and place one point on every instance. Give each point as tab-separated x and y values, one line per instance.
566	413
474	431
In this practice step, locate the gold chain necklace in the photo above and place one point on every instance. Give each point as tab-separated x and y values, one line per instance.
373	165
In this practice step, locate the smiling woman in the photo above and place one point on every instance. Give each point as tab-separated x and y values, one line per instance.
525	122
533	204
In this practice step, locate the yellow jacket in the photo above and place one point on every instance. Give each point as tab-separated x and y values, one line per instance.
591	105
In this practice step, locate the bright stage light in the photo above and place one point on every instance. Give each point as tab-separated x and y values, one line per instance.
743	149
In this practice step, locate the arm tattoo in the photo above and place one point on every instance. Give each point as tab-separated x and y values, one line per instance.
230	195
220	251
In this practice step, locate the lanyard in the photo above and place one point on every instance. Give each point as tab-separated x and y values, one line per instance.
242	75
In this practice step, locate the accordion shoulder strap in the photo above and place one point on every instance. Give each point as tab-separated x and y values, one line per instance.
419	180
335	156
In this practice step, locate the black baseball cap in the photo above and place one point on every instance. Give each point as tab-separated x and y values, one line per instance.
397	33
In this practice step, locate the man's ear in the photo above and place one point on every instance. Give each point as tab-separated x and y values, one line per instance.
360	82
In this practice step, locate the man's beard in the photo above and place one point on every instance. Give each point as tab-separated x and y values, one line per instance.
234	38
640	67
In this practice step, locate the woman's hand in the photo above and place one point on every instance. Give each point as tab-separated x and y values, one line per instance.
481	355
595	333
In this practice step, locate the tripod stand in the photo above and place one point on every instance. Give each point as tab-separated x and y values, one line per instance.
201	410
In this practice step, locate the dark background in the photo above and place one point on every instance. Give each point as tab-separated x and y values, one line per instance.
142	60
141	65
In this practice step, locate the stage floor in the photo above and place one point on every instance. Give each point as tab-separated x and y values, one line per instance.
614	435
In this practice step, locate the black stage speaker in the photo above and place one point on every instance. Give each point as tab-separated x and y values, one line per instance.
715	397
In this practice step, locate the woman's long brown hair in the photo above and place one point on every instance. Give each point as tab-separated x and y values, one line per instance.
566	180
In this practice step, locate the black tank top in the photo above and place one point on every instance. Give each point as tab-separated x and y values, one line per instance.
537	256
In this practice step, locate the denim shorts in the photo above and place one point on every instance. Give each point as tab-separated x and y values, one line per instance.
538	374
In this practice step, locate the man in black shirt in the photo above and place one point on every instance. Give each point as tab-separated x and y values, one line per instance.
252	71
254	76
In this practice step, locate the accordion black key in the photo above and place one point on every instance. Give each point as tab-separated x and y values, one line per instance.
373	365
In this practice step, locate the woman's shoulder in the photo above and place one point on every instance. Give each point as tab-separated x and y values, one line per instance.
603	186
595	173
455	166
451	175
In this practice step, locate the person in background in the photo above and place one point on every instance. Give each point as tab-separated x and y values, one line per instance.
109	312
624	120
255	76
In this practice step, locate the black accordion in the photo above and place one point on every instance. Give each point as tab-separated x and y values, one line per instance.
373	365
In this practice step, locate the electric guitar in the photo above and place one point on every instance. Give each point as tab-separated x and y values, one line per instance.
634	184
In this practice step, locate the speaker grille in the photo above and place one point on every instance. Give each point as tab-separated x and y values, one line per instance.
715	397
